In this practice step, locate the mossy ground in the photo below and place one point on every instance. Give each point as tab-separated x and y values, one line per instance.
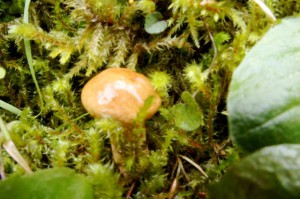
73	40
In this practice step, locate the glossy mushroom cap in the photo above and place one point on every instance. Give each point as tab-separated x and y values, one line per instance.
119	93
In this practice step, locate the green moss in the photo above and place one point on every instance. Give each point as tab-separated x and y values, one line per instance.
73	40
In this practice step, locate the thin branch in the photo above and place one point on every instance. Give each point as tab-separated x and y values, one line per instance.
214	47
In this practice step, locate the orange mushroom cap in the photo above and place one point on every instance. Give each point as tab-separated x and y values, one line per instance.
119	93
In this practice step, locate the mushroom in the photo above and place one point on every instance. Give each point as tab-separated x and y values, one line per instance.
120	94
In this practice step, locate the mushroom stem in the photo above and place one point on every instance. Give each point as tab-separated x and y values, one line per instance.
130	151
128	97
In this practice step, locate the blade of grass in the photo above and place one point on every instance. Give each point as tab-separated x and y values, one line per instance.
266	9
29	55
10	108
195	165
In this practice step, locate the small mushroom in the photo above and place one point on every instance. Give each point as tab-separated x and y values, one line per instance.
120	94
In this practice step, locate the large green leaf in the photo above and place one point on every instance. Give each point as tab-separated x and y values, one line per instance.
187	116
272	172
264	95
54	183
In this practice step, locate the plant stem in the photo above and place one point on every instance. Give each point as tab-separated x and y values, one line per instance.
130	144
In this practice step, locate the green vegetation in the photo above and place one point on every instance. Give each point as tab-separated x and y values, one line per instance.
263	108
272	172
189	50
50	183
263	95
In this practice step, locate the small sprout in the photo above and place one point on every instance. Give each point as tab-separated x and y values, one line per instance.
187	115
121	94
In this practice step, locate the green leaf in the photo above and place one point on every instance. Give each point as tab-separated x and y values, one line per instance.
54	183
187	116
154	24
2	73
264	95
272	172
